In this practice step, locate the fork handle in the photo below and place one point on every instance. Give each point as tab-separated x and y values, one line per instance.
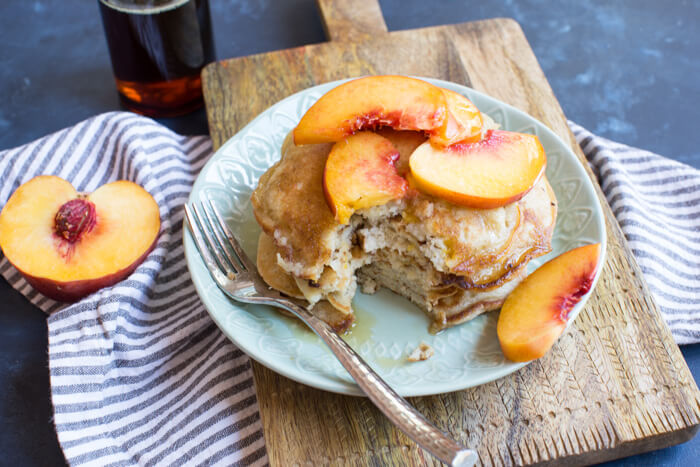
396	408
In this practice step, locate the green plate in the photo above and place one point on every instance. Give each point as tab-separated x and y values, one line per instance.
388	327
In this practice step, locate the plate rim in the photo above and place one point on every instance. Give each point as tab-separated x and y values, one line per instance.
350	388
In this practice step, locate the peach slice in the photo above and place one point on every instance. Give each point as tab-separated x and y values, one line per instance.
367	103
68	244
399	102
493	172
535	314
462	124
360	173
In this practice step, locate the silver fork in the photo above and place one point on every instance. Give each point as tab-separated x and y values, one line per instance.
237	276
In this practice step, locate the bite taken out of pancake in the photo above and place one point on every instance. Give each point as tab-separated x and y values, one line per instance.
278	279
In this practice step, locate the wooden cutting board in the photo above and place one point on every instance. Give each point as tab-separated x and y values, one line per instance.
614	385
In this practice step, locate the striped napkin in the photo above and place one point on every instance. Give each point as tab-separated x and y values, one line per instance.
657	203
140	375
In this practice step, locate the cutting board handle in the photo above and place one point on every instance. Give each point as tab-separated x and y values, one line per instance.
351	20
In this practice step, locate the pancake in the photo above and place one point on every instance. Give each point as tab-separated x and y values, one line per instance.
452	261
278	279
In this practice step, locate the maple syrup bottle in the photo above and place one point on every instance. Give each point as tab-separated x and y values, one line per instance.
158	49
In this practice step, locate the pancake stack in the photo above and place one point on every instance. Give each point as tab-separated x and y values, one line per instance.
453	261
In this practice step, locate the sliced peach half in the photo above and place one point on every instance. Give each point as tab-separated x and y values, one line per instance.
536	312
462	124
493	172
368	103
68	244
360	173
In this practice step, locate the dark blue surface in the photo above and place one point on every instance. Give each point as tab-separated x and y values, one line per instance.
626	70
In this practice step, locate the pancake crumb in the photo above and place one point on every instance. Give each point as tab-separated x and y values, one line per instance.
369	286
421	353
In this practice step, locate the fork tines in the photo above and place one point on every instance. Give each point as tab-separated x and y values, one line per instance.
215	241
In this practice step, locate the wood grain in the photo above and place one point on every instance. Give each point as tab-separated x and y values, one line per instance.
615	384
351	20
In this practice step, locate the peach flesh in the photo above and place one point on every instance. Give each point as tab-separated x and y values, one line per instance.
360	173
536	313
463	122
498	170
369	103
405	142
67	244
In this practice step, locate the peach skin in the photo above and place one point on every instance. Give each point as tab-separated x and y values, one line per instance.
535	314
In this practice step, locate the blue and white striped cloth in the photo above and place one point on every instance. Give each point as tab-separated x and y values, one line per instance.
140	375
657	203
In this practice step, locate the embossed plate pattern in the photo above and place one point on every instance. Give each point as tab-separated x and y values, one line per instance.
389	327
